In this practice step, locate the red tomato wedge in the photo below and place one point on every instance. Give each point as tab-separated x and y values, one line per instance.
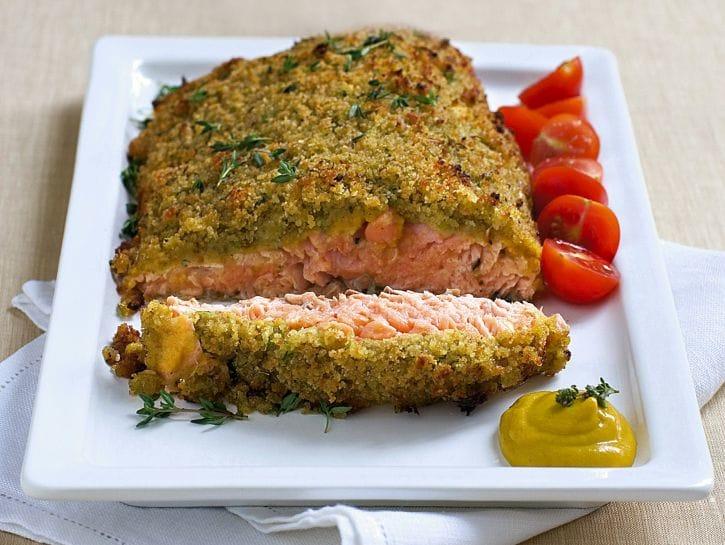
565	135
582	222
575	274
573	106
590	167
550	183
564	82
525	125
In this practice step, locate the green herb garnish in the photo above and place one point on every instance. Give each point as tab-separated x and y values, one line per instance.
211	413
276	153
356	53
332	411
228	165
198	185
430	99
166	90
285	173
257	159
130	227
313	67
355	111
401	101
198	95
357	137
247	143
289	88
566	396
378	90
141	123
129	176
290	63
206	126
289	403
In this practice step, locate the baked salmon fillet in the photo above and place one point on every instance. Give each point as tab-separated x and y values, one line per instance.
355	161
402	348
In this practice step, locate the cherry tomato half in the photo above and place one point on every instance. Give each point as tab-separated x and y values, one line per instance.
550	183
590	167
564	82
573	106
582	222
575	274
525	125
565	135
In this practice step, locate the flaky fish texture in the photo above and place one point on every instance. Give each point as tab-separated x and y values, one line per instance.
351	161
402	348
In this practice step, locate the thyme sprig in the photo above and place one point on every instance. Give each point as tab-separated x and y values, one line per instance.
211	413
353	54
332	411
228	165
566	396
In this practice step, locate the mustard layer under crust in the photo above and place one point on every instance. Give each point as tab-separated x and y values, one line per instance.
323	137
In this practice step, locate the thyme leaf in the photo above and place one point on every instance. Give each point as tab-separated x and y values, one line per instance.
430	99
290	63
166	90
198	95
129	176
198	185
355	111
401	101
207	126
130	226
289	403
285	173
257	159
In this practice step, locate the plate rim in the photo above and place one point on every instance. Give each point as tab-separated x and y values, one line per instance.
675	433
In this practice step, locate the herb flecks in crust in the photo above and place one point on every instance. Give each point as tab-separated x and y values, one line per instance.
371	121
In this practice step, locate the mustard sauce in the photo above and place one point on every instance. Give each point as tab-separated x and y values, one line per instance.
537	431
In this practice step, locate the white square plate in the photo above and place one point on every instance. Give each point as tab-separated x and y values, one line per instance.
83	444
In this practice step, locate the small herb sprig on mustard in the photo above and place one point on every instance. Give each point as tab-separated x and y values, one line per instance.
566	396
211	413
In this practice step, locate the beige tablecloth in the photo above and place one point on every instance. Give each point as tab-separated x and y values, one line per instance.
671	59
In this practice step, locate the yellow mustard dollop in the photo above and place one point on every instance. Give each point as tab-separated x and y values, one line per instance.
537	431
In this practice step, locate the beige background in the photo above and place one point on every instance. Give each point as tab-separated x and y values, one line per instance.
671	59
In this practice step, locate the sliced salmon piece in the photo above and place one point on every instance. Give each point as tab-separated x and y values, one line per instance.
400	347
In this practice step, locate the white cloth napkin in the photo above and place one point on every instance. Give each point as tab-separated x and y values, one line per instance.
698	284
